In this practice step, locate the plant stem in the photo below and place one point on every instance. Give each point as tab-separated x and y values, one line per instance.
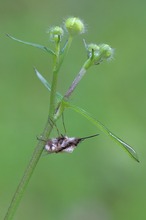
45	136
66	48
40	146
54	82
78	78
75	82
28	172
53	94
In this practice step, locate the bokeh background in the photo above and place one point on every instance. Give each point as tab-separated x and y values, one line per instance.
99	181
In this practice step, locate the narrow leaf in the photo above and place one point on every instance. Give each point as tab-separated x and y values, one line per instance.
32	44
64	47
46	84
98	124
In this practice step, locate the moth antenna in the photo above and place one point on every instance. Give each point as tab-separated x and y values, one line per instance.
91	136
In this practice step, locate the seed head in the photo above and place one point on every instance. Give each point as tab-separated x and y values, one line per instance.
56	33
74	26
106	51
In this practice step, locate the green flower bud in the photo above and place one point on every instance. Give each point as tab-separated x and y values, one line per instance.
106	52
74	26
56	33
92	50
98	53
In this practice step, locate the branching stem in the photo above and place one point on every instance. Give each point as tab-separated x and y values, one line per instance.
45	135
75	82
78	78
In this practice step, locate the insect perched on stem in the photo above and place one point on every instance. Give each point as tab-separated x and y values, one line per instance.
64	143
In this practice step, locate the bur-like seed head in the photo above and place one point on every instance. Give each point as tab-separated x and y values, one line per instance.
98	53
56	33
92	48
106	51
74	26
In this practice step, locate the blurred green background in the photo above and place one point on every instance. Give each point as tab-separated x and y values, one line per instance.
99	181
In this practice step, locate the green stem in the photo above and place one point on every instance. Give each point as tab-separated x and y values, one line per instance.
53	94
28	173
78	78
54	82
75	82
66	49
88	63
57	64
40	146
45	136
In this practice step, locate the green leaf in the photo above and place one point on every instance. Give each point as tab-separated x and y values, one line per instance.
64	47
46	84
97	123
33	44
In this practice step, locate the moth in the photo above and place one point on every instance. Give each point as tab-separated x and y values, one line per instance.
64	143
